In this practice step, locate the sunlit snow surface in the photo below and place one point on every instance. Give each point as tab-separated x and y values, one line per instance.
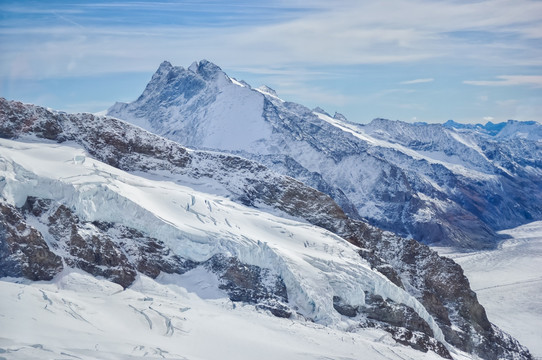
508	282
78	315
453	163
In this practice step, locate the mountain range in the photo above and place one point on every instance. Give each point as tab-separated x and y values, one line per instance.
446	185
255	205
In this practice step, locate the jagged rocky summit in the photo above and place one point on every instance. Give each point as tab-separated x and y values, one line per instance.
439	184
101	195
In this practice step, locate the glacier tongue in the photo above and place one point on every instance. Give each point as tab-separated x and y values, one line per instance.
315	264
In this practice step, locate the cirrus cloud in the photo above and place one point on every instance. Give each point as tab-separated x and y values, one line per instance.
417	81
101	37
509	80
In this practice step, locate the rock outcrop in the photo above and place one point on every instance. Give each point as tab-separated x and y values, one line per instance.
118	252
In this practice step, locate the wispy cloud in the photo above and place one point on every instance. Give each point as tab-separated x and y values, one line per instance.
301	48
509	80
20	9
417	81
330	34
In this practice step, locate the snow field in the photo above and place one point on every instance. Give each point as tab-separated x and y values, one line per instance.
78	316
315	264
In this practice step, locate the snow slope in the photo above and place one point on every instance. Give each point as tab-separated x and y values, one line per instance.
508	282
78	316
434	183
118	252
316	265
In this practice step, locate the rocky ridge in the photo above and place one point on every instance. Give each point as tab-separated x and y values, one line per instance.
439	184
407	263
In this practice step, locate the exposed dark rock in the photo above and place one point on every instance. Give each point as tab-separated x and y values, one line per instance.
435	307
23	251
118	144
117	252
94	253
109	250
343	308
400	315
418	341
381	266
276	308
250	284
150	255
401	321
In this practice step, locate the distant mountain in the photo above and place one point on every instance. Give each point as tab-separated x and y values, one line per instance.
530	130
489	128
445	184
100	195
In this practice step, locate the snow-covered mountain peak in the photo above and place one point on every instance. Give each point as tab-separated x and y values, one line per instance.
165	66
207	69
264	89
340	117
163	72
169	82
200	106
194	67
436	183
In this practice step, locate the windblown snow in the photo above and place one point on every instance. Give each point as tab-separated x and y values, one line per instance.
166	317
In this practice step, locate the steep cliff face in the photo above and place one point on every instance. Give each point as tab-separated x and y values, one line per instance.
438	184
435	288
24	251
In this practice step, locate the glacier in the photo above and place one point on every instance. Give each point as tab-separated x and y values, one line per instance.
121	253
508	281
314	263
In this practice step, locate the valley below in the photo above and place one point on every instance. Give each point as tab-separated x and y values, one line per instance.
508	282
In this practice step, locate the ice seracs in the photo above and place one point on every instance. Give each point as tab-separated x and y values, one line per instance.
315	265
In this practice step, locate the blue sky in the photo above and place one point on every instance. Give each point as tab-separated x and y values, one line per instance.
412	60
